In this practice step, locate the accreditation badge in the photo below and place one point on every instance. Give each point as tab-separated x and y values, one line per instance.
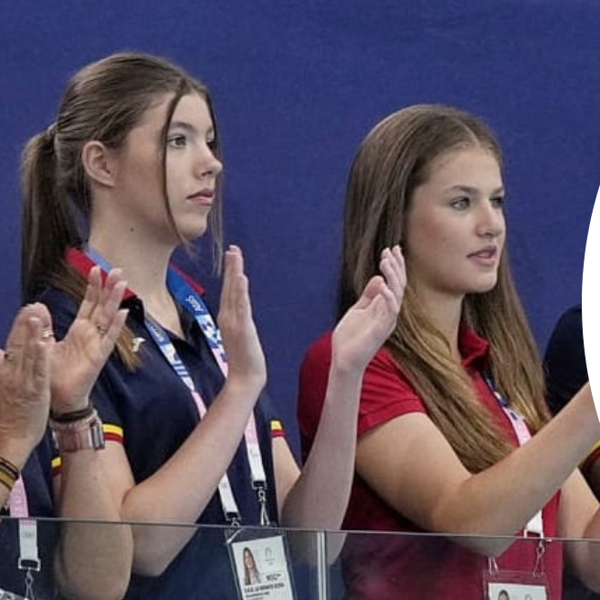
261	566
509	585
516	585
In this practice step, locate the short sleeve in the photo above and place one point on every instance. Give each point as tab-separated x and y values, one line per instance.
276	425
385	392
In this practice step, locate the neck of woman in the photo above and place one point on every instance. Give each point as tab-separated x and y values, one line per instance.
446	313
144	265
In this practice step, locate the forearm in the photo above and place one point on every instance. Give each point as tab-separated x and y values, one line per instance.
320	496
93	560
524	481
180	490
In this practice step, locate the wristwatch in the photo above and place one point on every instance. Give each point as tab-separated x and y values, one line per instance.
84	433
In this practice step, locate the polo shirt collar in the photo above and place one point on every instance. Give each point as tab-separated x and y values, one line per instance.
473	348
78	260
82	263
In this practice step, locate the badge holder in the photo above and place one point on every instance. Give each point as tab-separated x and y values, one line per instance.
260	564
28	555
516	585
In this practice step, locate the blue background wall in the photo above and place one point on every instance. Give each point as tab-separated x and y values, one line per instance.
297	85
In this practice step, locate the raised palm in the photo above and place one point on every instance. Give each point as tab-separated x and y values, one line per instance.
369	322
78	359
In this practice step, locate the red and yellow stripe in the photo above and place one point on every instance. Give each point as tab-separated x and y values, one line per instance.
112	433
277	428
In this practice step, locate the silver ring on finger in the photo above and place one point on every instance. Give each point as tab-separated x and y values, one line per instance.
47	333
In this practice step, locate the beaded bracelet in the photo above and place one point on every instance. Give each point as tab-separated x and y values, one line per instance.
9	473
75	415
9	467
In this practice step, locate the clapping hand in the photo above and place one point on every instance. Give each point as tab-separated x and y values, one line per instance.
78	359
369	322
246	360
24	380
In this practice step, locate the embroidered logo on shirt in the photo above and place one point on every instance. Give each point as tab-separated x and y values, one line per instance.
136	344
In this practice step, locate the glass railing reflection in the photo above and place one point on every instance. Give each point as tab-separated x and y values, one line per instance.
276	564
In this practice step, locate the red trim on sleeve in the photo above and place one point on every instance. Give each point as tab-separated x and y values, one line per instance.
112	433
277	429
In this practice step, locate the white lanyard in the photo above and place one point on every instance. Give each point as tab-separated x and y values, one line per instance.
536	524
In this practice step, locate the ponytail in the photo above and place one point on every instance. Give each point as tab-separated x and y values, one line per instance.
49	230
49	226
104	101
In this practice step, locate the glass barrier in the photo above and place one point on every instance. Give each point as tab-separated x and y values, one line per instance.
212	562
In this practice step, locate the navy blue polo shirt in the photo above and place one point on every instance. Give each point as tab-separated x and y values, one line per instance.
152	413
37	478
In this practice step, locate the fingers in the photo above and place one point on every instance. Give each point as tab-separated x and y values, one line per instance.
234	261
234	293
108	298
393	268
17	335
27	356
373	287
110	301
41	312
106	314
92	294
391	286
26	361
35	365
109	339
102	300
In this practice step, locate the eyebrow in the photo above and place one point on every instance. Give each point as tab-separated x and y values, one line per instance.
467	189
189	128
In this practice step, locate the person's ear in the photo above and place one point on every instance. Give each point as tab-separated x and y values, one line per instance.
99	163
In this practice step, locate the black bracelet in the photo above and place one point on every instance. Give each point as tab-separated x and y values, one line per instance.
74	415
10	468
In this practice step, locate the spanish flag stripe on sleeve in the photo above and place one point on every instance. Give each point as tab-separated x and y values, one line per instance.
112	433
277	428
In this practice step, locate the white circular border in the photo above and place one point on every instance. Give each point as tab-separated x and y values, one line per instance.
590	295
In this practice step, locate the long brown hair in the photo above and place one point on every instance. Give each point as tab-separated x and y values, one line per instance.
393	160
104	101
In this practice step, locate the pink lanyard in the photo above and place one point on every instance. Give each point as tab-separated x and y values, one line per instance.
28	547
536	524
194	304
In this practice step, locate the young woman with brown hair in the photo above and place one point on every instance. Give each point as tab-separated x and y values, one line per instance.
449	404
135	156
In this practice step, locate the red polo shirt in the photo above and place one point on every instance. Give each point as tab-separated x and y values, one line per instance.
391	566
